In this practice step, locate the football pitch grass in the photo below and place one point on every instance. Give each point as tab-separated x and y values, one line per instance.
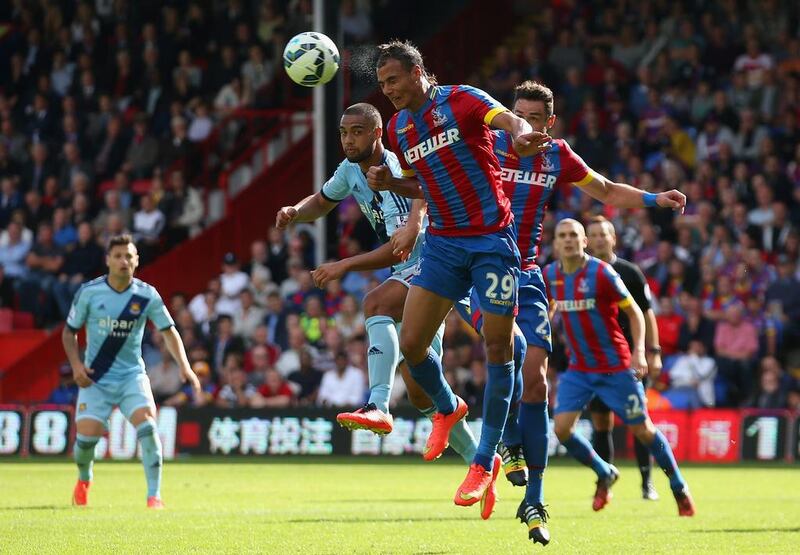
340	506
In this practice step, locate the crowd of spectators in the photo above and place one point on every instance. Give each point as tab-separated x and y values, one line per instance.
705	99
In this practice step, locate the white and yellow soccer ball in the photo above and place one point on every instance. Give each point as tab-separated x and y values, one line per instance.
311	59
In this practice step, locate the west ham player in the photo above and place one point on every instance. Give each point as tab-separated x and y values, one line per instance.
442	137
529	183
589	293
115	309
602	240
360	132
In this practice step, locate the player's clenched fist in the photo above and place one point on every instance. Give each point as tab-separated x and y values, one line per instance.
671	199
378	178
285	216
325	273
81	375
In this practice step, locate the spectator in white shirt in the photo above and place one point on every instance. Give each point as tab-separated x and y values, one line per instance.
754	63
692	377
248	317
342	387
148	223
232	282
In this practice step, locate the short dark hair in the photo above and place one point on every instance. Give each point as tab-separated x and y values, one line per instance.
600	219
406	53
119	240
533	90
367	111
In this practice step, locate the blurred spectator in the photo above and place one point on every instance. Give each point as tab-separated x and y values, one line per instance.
236	392
736	345
44	262
275	321
342	387
273	393
232	282
165	376
148	223
669	327
770	393
187	397
183	209
691	378
67	391
248	316
143	151
84	261
225	341
306	379
349	319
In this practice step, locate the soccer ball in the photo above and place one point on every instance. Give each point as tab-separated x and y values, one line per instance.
311	59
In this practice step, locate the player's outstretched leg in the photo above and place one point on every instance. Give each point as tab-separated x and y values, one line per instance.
510	448
648	434
461	438
420	325
580	448
535	427
382	357
152	460
497	331
83	453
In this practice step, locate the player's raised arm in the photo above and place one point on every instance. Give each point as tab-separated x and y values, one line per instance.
174	344
623	195
376	259
307	210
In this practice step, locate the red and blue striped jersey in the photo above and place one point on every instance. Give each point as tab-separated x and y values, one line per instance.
529	183
447	145
589	300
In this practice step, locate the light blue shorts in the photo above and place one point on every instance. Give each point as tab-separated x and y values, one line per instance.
98	400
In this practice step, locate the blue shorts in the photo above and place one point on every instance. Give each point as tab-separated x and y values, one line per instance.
532	318
621	391
98	400
450	266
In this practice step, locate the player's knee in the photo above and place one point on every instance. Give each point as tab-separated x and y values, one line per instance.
643	432
534	391
562	431
499	351
413	351
372	304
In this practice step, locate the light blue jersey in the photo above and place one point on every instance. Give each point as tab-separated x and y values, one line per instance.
386	211
115	324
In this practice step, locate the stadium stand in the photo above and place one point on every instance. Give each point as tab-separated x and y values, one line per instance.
101	109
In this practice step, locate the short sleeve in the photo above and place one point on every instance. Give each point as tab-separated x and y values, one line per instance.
336	189
79	310
573	168
638	288
613	287
481	104
391	134
158	313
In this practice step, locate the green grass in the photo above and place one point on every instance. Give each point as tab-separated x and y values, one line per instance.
341	507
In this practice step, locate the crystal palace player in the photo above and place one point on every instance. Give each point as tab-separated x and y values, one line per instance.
529	183
360	132
442	137
115	309
588	293
602	239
